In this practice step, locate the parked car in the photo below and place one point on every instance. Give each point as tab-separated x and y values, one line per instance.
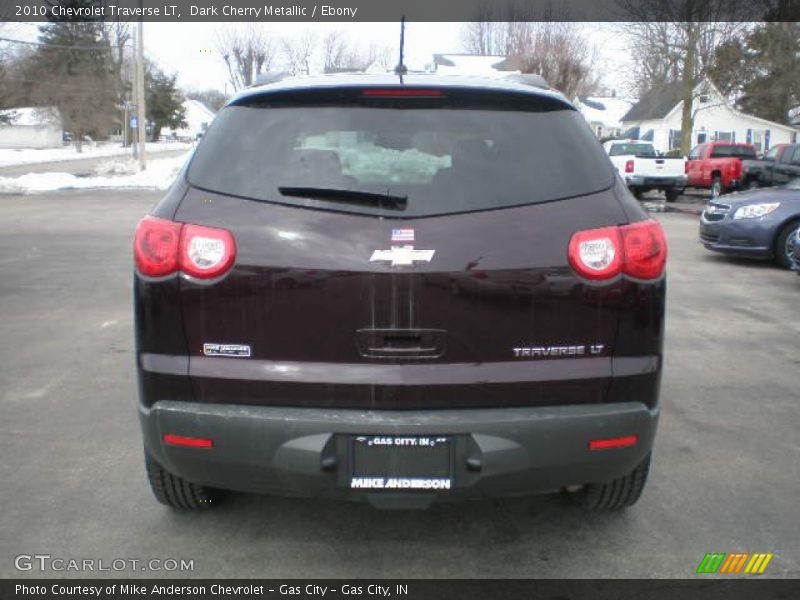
643	169
796	252
752	169
780	165
373	385
761	223
718	166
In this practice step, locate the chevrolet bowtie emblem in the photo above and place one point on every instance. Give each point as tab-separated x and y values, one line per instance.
402	256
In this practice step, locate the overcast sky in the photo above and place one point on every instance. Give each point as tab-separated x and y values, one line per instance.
189	49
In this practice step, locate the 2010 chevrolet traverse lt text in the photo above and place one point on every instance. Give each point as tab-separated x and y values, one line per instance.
399	290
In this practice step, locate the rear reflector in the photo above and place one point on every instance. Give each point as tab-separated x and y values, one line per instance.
618	442
401	93
187	442
638	250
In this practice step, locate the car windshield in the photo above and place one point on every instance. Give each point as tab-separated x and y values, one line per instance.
438	160
643	150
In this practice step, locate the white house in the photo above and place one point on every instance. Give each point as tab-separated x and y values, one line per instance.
604	114
657	118
197	116
31	127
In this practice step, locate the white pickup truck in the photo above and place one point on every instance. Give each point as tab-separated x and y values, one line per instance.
642	169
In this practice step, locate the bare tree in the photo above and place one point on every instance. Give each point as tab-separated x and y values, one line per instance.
299	51
675	41
558	51
248	50
336	52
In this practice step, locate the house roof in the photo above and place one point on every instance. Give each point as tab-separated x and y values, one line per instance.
31	116
655	104
472	64
607	111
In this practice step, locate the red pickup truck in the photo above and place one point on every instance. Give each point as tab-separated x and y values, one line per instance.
718	166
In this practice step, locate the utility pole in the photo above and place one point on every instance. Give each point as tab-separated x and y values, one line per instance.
140	108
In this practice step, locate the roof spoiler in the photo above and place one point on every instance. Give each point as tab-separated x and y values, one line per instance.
531	79
270	77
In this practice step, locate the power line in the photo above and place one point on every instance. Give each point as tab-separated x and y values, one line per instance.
52	83
61	46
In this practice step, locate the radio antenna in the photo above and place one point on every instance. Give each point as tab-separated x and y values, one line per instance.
401	68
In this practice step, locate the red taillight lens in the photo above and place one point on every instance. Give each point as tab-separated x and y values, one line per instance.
155	246
187	441
206	252
401	93
163	247
629	166
645	249
638	250
618	442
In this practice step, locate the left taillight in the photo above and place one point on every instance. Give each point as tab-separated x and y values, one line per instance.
163	247
155	246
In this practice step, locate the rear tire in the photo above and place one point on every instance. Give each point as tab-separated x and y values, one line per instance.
176	492
752	184
671	195
637	193
784	244
617	494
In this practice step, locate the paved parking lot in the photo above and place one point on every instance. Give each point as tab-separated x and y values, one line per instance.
725	475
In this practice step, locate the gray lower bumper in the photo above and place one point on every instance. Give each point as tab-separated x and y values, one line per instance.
656	182
299	451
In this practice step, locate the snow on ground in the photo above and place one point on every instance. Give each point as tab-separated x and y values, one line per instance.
29	156
159	174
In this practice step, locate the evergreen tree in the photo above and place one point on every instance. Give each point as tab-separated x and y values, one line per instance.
762	71
75	72
164	101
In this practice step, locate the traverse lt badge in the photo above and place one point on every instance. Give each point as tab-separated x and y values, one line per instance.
399	256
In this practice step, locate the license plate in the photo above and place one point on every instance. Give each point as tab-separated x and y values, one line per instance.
401	463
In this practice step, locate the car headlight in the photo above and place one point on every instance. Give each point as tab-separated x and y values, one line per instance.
755	211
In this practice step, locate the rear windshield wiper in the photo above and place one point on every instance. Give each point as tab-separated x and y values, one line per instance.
350	196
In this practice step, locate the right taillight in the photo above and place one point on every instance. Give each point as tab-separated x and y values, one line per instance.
629	166
638	250
163	247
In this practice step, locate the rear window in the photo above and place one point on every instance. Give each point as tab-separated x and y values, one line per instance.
643	150
440	160
733	151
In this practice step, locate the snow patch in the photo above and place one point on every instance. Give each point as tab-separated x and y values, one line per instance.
29	156
159	175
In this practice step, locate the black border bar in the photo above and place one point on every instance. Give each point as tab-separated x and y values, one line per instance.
276	11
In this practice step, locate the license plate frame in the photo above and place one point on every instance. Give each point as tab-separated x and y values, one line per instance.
400	463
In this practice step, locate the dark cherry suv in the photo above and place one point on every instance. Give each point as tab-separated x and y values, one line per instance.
398	291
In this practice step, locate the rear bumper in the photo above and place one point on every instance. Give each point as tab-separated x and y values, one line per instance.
301	451
656	181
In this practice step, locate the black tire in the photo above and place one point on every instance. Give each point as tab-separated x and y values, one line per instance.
618	494
752	184
176	492
637	193
784	244
716	187
672	194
